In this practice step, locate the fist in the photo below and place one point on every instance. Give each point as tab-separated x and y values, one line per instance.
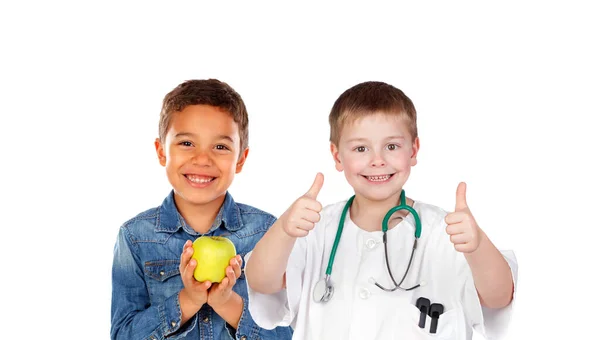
301	216
464	232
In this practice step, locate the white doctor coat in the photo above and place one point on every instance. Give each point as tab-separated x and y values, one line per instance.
359	309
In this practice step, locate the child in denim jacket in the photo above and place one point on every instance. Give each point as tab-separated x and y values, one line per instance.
203	143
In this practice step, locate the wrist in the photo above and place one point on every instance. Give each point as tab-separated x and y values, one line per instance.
226	304
186	302
282	233
483	239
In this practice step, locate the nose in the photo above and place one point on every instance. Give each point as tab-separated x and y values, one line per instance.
377	161
201	158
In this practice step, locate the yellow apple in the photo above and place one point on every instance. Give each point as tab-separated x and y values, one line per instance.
212	254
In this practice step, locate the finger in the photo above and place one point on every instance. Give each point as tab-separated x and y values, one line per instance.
311	204
464	248
305	225
316	186
223	285
455	217
237	266
231	276
299	232
187	274
454	229
189	269
461	197
203	286
186	255
460	238
310	216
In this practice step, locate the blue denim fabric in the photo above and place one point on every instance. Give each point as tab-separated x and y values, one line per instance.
146	280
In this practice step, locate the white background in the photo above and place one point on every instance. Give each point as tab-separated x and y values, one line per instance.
507	97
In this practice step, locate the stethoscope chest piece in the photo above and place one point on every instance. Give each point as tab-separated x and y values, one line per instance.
323	290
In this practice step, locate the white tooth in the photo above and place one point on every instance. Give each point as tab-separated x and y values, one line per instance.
199	180
379	178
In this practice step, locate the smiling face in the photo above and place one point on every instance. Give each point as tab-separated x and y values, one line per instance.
376	153
201	154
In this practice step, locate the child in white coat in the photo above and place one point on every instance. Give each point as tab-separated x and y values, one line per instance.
339	273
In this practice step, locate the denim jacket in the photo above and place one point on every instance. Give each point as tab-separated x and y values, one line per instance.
146	280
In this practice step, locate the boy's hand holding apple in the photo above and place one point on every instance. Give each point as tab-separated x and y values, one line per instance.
210	261
220	293
193	292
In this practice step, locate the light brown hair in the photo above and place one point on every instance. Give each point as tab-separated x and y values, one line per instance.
370	98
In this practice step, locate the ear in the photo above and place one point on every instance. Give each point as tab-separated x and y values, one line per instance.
241	161
415	149
160	152
336	157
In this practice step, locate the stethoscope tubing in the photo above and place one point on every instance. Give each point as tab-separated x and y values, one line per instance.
327	285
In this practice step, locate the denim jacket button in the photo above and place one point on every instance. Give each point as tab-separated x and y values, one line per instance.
162	273
173	324
243	337
205	319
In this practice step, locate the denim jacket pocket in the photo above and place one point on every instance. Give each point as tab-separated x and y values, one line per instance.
163	279
161	270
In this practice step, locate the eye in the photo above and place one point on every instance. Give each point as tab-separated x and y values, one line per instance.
360	149
221	147
186	143
392	147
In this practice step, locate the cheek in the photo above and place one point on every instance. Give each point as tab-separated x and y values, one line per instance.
354	163
227	163
175	157
401	160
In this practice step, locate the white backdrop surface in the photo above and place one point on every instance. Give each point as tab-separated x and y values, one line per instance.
507	100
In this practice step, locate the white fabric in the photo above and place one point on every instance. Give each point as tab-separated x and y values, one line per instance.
360	310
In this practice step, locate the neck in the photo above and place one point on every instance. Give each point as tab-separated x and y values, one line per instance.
368	214
199	216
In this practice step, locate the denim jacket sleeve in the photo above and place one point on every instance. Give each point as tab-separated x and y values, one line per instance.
132	315
246	324
247	328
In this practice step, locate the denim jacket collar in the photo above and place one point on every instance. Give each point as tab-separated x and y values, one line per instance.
170	220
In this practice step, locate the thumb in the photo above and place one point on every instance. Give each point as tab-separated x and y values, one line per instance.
316	186
461	197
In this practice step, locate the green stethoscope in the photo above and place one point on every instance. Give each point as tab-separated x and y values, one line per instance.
324	288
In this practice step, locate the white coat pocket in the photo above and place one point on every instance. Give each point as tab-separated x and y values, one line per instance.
446	325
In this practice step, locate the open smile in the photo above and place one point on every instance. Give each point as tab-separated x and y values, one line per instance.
379	178
199	181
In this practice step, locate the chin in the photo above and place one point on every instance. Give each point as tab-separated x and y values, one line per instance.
379	196
197	198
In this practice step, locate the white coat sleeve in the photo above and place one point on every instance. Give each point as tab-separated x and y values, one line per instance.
491	323
280	309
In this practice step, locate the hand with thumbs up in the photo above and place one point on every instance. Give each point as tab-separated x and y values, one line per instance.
464	232
301	216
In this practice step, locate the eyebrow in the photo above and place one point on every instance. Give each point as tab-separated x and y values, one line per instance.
365	140
184	134
191	135
226	137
